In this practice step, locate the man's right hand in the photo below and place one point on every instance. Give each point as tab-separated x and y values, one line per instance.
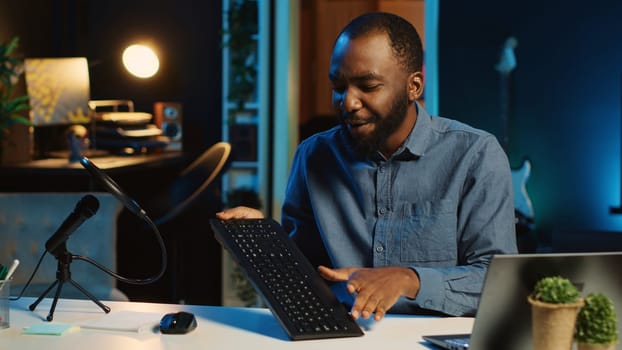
240	212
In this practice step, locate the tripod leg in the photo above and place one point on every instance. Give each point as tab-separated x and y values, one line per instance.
63	274
55	301
91	296
34	305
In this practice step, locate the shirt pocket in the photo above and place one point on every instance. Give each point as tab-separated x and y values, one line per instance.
428	233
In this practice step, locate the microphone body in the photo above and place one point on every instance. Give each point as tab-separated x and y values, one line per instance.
85	208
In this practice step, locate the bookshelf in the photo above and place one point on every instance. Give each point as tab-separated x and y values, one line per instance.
245	85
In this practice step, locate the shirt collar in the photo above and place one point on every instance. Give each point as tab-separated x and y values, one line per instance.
415	144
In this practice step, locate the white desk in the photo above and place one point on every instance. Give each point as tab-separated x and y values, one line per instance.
218	328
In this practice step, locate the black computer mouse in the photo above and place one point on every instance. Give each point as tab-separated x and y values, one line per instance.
180	322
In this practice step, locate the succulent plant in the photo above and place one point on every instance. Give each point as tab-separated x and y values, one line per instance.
555	290
597	322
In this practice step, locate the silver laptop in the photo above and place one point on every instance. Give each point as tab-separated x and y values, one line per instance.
503	319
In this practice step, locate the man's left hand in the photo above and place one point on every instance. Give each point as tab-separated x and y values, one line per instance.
378	289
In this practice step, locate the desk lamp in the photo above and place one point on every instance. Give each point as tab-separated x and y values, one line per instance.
58	89
141	61
127	131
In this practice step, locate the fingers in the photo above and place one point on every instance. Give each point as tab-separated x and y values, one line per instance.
368	308
378	289
370	303
336	275
380	312
240	212
367	301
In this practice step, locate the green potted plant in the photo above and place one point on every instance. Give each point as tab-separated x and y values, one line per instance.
241	39
11	106
597	325
555	302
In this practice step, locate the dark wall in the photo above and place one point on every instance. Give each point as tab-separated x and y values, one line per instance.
565	97
565	93
187	36
185	33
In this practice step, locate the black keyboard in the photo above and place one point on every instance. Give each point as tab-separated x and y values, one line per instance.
297	295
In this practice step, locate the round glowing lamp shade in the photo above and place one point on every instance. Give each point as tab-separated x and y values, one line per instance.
141	61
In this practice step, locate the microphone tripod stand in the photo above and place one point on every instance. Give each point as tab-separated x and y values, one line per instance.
63	274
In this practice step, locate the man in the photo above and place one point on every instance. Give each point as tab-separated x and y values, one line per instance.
404	209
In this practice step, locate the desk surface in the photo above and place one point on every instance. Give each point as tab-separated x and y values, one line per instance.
108	162
59	175
218	328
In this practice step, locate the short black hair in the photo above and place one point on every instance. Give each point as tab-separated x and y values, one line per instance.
403	37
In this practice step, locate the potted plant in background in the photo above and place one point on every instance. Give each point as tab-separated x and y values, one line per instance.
11	107
244	290
597	325
241	39
555	302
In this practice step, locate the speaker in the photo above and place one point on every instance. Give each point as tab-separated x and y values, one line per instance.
168	117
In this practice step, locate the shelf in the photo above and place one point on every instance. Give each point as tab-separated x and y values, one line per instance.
244	165
244	119
246	128
251	105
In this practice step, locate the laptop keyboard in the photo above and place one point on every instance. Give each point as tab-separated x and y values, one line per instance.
298	297
460	343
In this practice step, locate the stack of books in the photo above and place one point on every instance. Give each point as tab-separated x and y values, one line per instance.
128	133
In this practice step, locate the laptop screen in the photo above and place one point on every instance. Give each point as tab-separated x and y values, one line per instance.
503	319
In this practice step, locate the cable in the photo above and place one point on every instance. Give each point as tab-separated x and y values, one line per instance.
135	281
29	279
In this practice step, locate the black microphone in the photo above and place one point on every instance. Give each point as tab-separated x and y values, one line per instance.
85	208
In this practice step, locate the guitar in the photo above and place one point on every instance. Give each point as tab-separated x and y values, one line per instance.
522	203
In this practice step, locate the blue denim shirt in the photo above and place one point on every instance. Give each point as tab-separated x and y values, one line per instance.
442	205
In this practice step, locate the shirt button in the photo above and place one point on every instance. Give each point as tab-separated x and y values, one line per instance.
379	249
382	211
381	169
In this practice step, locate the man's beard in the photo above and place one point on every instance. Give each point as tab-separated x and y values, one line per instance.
369	145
